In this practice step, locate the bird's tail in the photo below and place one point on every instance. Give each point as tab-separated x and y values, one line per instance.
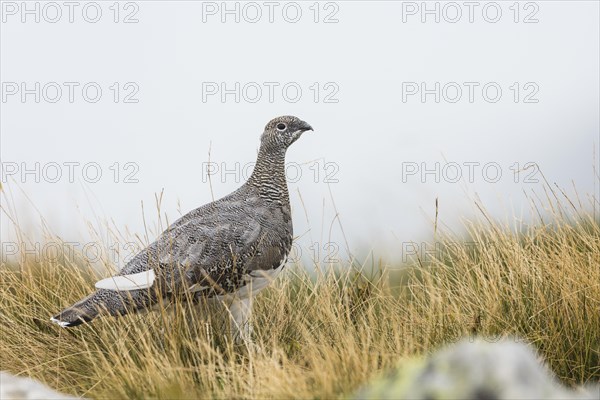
107	302
83	311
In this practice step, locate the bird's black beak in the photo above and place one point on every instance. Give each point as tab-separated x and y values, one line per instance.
303	127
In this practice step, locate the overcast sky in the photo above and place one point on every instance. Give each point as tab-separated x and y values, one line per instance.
409	103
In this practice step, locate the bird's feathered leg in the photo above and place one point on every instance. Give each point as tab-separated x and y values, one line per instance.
240	314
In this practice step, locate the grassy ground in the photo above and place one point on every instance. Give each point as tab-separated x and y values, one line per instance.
323	336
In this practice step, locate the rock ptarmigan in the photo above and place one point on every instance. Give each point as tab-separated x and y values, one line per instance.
228	249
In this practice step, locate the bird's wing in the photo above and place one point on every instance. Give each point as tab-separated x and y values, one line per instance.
209	251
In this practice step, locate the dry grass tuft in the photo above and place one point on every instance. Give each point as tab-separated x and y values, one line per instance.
323	336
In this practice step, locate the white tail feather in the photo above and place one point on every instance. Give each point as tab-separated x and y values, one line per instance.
61	323
141	280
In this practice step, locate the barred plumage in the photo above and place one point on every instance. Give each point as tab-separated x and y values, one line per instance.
228	249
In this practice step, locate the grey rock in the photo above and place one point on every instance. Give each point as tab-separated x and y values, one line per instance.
475	370
16	388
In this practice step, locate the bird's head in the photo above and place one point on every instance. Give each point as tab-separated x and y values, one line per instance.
283	131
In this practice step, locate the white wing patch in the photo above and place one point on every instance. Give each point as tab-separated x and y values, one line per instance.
141	280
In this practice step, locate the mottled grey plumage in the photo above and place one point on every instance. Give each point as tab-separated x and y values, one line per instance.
225	249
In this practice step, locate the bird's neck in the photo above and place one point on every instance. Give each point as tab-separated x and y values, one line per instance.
268	176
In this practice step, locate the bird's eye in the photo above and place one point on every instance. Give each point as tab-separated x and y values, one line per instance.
281	127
